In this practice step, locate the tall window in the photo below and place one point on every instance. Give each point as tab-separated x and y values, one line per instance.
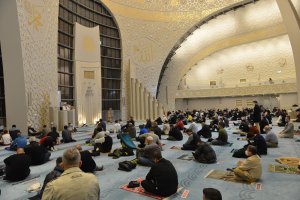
2	94
89	13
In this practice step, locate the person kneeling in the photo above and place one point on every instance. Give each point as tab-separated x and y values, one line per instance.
162	178
17	166
205	153
249	170
191	143
88	163
145	155
38	154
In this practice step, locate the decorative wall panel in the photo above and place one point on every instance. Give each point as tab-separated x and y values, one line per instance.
38	28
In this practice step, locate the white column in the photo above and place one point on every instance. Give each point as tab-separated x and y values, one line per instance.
146	105
142	110
138	100
290	19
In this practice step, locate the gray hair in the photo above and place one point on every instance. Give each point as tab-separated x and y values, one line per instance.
71	156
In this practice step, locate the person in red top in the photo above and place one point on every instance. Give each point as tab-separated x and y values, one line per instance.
180	124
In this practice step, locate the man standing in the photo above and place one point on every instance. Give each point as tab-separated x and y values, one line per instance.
73	183
256	115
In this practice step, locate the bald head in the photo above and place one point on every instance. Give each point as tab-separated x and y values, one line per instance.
78	147
149	140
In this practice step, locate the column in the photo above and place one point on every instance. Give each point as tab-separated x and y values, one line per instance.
142	102
150	101
146	106
155	107
290	19
138	100
132	97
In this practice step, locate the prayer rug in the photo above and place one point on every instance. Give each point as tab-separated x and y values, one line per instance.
290	161
140	190
186	157
282	169
224	176
175	148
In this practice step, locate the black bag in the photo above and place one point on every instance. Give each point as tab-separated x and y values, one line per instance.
133	184
126	166
240	153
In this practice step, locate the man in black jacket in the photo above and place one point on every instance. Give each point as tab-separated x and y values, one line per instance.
38	154
88	163
192	142
205	130
256	115
162	178
174	133
17	166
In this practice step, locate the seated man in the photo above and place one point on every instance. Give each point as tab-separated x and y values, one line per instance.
103	144
88	164
55	135
205	130
156	129
43	132
223	137
73	183
249	170
142	139
192	142
145	155
13	131
193	127
5	138
32	131
143	129
166	129
56	172
38	154
19	142
260	143
205	153
131	130
17	166
67	135
288	131
271	137
162	178
174	133
211	194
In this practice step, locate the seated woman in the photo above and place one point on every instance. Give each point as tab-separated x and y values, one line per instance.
192	142
205	153
288	131
249	170
5	138
243	127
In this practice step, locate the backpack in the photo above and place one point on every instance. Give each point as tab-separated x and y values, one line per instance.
126	166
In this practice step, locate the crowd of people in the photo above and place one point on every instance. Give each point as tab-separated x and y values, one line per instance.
77	166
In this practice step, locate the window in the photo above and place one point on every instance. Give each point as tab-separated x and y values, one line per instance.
89	13
2	94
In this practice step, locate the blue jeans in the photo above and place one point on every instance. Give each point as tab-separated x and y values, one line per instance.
145	161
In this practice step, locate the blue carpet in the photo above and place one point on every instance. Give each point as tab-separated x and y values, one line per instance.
191	174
